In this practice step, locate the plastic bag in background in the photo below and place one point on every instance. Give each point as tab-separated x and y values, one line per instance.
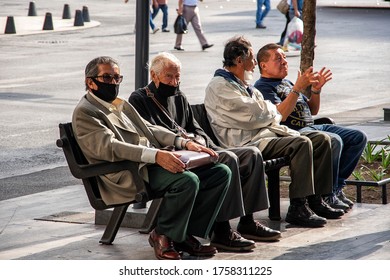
180	25
294	35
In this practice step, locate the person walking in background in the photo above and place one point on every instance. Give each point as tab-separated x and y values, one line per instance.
296	7
155	29
153	4
260	14
163	6
190	11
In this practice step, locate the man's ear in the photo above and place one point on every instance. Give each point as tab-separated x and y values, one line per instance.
152	75
90	83
154	78
262	65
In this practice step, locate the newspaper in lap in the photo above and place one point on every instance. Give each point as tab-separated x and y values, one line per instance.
194	159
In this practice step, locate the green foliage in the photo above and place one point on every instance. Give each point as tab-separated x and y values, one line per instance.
357	175
376	174
385	159
370	152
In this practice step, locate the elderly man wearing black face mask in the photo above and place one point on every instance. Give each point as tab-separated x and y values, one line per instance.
162	103
108	128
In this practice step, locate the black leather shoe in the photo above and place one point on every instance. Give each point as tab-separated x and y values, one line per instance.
193	247
179	48
163	247
258	232
232	241
340	195
333	201
261	26
206	46
321	208
300	214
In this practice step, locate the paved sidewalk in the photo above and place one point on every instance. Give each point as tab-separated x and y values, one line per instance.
59	224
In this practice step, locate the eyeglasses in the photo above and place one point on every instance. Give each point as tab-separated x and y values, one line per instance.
107	78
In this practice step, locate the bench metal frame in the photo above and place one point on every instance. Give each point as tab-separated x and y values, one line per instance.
88	173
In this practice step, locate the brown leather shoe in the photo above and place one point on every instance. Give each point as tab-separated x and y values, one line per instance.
163	247
193	247
258	232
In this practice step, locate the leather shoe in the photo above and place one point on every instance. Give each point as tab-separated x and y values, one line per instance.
258	232
300	214
340	195
232	241
179	48
333	201
321	208
206	46
261	26
163	247
193	247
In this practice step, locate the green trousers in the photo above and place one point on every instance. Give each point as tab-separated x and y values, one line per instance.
191	200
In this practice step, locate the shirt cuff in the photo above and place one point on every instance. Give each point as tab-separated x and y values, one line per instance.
180	142
149	155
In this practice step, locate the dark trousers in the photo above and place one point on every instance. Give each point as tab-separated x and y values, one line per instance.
191	200
247	193
310	165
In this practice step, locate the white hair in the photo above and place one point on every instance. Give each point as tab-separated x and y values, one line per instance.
162	60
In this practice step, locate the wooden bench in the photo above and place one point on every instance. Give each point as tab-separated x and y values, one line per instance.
272	166
88	173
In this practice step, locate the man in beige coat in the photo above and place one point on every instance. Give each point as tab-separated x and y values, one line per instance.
240	116
108	128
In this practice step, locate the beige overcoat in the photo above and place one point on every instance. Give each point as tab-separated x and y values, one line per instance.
103	136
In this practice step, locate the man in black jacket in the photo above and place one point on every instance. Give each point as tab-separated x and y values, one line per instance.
161	102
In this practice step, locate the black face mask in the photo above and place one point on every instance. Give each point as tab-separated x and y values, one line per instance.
106	92
167	90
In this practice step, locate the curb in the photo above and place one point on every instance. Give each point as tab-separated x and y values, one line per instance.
26	25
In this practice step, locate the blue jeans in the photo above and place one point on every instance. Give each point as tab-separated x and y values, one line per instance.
164	9
151	22
260	15
347	147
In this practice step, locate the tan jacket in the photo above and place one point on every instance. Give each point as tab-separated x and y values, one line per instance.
102	136
238	119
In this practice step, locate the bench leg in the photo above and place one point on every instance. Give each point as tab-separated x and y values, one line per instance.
151	216
274	194
384	194
358	193
113	224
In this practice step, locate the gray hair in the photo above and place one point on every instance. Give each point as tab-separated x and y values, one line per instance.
92	68
162	60
237	46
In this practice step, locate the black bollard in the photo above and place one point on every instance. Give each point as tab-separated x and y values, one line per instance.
10	26
66	12
86	14
48	24
31	10
78	19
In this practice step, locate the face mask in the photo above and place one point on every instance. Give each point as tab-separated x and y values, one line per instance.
167	90
106	92
248	76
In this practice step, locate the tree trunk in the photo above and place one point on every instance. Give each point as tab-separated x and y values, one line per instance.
309	33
